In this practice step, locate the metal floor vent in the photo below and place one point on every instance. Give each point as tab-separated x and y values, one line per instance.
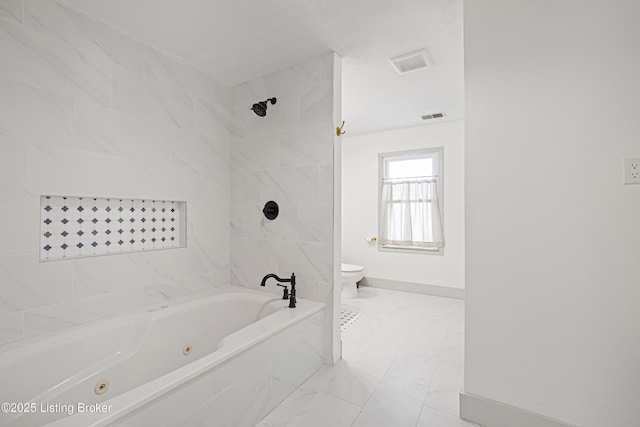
348	318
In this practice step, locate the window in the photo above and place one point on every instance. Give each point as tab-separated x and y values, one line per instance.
411	201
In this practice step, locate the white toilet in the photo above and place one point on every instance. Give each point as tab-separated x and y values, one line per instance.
351	274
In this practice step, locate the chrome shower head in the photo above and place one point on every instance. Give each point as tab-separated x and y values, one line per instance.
261	107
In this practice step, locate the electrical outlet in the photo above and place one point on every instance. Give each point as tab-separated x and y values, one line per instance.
632	171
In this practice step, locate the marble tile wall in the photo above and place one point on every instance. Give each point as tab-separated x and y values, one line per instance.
286	156
85	110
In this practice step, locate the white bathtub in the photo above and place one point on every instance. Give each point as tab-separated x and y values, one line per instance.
186	364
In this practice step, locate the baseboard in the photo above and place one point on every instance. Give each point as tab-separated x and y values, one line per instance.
490	413
418	288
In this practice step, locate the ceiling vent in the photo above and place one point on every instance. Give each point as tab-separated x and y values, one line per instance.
433	116
412	61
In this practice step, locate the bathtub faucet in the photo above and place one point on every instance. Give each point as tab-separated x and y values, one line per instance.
285	294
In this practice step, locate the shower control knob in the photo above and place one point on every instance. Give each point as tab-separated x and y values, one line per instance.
271	210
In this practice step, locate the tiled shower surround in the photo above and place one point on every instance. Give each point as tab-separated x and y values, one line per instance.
287	157
76	227
86	110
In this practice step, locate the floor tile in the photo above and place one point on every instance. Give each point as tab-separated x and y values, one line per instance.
445	387
395	402
434	418
305	408
402	365
352	380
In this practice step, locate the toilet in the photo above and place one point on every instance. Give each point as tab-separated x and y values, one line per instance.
351	274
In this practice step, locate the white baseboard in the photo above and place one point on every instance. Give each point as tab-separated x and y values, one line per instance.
490	413
418	288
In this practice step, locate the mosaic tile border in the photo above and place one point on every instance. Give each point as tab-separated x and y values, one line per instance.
76	227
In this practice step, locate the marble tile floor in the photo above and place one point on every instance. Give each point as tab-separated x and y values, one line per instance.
402	366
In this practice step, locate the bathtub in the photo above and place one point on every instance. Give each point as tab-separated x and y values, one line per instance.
225	360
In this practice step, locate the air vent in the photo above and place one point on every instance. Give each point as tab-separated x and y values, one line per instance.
412	61
433	116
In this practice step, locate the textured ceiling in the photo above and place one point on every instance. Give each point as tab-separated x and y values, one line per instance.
237	40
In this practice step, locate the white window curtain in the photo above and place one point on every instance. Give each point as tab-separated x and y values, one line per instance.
410	213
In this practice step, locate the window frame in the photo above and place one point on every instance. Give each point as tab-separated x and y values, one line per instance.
383	159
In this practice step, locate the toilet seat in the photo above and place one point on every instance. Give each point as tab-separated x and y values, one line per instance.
351	268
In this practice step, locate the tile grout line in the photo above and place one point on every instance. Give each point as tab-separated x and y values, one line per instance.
360	351
434	374
372	392
382	376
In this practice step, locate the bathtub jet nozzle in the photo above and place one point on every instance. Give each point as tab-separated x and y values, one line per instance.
101	387
285	294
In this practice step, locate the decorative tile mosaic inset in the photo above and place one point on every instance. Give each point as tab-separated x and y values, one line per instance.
74	227
348	318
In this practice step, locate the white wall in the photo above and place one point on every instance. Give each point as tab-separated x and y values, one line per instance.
286	156
86	111
553	278
360	205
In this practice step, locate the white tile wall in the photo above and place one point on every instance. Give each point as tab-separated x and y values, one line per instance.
53	19
53	65
254	254
299	78
316	105
178	74
64	315
98	276
27	283
310	260
20	104
19	211
12	173
325	183
286	156
11	327
85	110
255	154
307	145
116	118
135	94
315	221
199	257
11	10
212	118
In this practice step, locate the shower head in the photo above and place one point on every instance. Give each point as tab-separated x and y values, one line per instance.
261	107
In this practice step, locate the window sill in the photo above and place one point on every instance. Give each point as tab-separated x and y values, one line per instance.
411	250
